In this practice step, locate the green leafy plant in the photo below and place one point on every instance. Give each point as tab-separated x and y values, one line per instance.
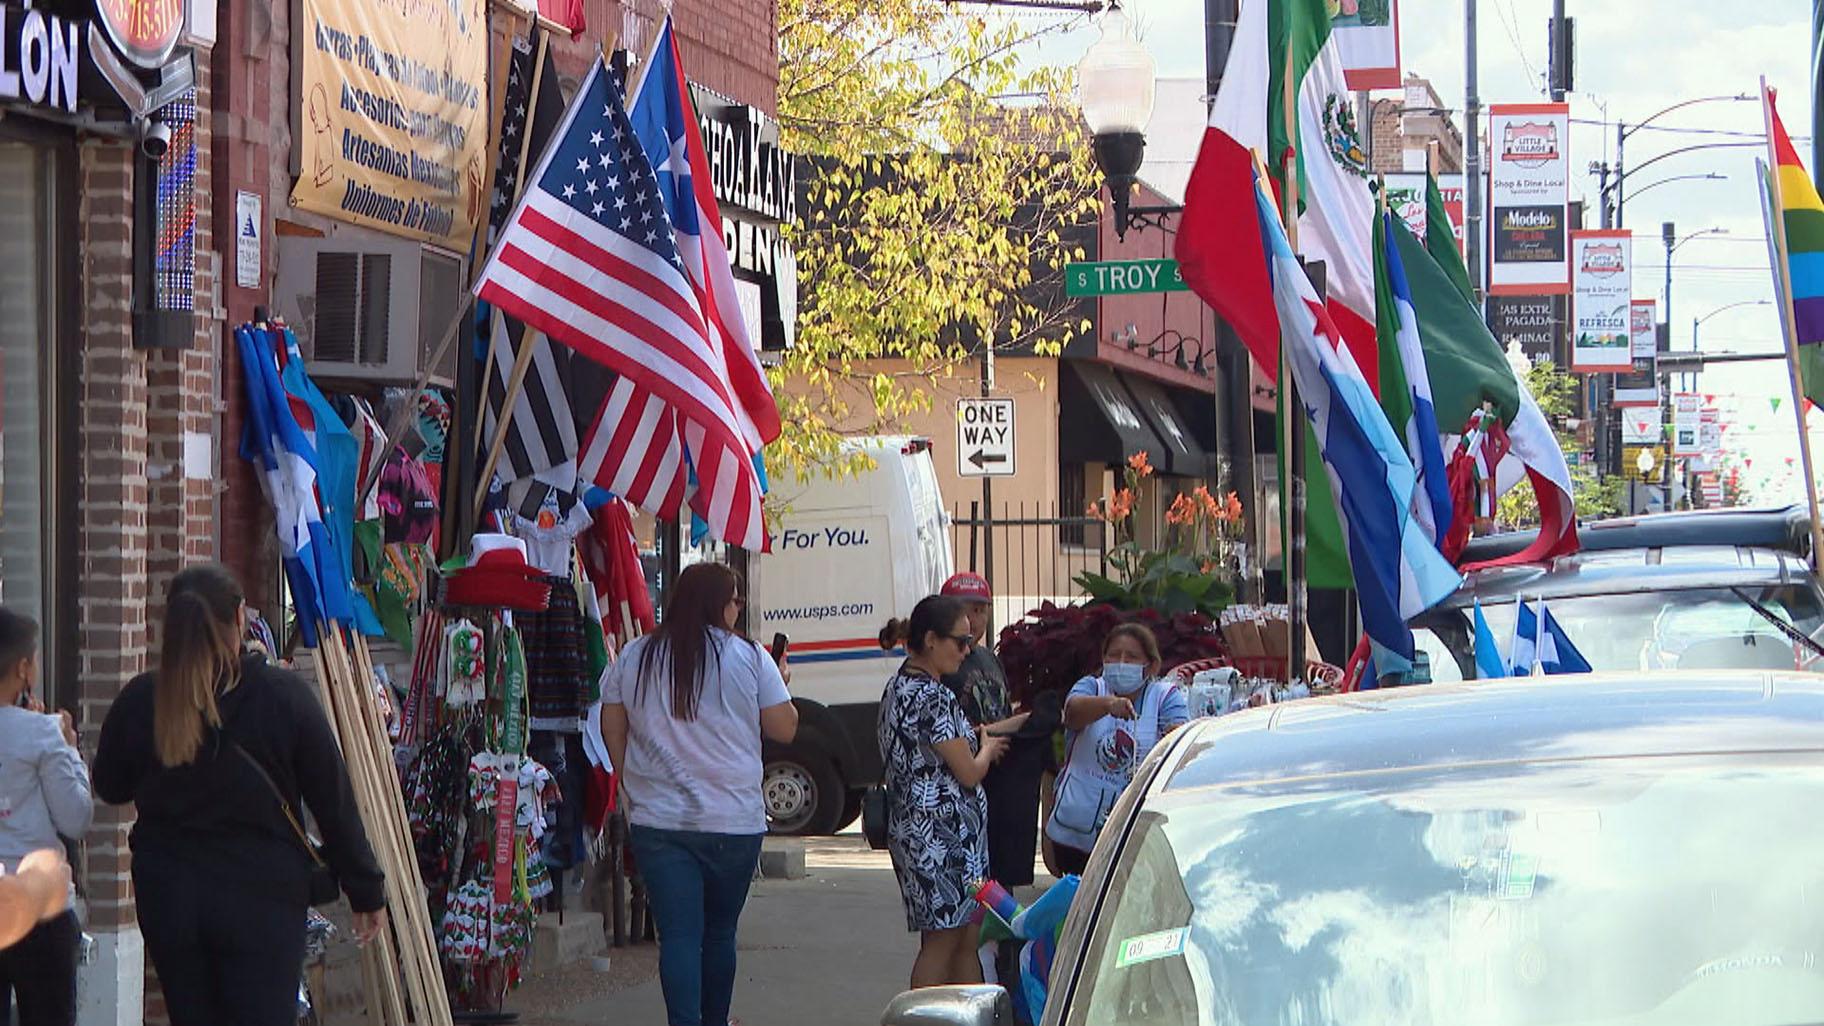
1191	574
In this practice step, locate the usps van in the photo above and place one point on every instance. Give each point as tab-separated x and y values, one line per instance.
850	554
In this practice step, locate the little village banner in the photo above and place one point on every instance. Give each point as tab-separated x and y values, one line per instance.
393	115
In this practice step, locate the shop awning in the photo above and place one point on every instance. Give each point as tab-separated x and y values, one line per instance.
1098	420
1182	453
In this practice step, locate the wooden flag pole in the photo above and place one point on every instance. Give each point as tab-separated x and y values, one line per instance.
1292	434
1789	321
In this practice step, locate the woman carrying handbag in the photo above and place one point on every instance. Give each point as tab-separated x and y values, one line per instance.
222	752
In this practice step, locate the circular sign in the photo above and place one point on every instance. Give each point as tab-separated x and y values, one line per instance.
144	31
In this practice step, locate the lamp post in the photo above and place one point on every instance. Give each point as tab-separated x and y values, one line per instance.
1698	321
1115	82
1710	176
1612	175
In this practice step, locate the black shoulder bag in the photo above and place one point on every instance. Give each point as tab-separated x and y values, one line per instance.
325	889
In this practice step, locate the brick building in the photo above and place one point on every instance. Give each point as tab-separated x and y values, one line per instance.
1415	131
120	414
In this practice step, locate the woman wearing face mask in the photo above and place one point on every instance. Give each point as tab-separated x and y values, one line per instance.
1111	723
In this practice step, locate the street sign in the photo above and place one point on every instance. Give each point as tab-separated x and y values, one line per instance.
1122	277
984	437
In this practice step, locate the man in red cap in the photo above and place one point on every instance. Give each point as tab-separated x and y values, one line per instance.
1012	785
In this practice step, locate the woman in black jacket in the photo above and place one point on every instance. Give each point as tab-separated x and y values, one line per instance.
221	877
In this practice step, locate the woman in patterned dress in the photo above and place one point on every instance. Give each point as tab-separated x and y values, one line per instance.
937	819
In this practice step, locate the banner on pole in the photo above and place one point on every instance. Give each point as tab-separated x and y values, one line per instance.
392	116
1451	187
1640	387
1601	318
1406	198
1367	34
1642	425
1529	189
1687	424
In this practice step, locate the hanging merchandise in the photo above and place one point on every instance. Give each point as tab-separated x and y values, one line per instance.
466	665
306	461
499	576
612	558
408	500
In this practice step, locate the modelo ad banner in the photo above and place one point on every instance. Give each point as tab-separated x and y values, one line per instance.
1687	424
393	116
1528	189
1640	386
1367	34
1601	296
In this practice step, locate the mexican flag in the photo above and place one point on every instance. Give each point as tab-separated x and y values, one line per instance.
1467	368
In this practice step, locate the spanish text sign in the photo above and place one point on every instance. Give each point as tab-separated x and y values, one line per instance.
393	115
1529	187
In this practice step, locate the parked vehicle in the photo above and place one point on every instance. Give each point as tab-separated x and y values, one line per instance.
1711	590
1616	849
851	553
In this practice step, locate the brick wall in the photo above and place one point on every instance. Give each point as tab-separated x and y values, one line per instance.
112	535
730	46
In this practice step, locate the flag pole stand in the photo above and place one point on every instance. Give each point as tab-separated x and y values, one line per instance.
1789	323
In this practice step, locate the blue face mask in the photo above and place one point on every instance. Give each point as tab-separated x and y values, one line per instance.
1123	678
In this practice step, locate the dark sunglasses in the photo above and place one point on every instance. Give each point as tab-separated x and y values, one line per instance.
963	641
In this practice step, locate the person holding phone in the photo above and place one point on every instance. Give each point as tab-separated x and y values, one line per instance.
44	796
1111	722
937	818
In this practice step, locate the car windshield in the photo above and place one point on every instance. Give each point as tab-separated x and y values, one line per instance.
1619	892
1686	628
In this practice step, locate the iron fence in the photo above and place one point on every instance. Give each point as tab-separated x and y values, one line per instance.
1029	553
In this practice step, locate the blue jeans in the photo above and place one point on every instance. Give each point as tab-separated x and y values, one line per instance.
696	884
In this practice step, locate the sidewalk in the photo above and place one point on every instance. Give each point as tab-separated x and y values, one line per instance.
828	950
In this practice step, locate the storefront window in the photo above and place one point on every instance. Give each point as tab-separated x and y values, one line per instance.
30	257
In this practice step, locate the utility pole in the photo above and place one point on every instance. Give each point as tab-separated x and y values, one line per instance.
1472	153
987	479
1558	74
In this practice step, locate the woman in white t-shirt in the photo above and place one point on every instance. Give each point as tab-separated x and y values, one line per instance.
683	713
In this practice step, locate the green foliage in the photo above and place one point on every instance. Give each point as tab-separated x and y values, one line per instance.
936	212
1596	497
1169	582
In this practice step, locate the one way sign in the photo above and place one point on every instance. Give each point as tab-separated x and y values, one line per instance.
984	437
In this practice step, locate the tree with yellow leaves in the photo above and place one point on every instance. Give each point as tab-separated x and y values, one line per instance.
947	182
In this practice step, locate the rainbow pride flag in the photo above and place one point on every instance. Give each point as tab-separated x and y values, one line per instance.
1795	217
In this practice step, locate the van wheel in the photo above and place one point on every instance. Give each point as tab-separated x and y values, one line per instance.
851	811
803	793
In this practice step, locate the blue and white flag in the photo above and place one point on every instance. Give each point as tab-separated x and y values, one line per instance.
1398	571
1489	663
1540	640
279	449
1418	419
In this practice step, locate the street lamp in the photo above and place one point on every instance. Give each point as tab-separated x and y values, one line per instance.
1115	82
1708	177
1622	131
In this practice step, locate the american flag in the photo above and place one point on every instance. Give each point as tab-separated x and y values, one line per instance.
541	441
588	258
643	461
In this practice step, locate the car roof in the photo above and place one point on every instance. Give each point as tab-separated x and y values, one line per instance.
1631	571
1436	726
1785	528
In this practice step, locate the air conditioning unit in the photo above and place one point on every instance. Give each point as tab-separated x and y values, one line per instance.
367	308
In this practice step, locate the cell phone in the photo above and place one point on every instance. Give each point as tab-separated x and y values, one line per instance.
780	644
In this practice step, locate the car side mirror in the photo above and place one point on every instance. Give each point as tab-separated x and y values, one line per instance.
976	1005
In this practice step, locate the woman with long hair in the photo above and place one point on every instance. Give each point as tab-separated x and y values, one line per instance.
683	713
937	818
222	752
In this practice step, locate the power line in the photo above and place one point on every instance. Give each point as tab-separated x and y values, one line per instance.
1677	130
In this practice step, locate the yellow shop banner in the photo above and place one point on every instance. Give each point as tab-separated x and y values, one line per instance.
394	115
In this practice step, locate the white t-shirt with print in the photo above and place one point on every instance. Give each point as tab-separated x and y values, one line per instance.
702	774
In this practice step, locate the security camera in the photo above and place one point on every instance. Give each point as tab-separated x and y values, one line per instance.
155	139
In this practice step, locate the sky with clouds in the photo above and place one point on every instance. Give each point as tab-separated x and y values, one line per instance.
1634	58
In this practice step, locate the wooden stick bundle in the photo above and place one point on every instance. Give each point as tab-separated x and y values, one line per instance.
409	948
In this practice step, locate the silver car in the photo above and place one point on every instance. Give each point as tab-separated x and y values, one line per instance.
1612	849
